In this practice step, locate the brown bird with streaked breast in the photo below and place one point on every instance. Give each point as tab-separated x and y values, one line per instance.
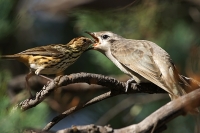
143	60
51	59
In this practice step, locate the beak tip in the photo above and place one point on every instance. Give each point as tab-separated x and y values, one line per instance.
92	34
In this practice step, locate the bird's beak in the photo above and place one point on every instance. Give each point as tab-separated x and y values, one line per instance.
89	48
96	39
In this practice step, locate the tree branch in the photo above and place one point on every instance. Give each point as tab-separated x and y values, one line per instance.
117	88
166	113
113	84
156	122
76	108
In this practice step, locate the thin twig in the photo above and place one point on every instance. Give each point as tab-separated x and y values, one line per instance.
131	100
76	108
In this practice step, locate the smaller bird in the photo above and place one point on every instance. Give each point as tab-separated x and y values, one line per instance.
143	60
51	59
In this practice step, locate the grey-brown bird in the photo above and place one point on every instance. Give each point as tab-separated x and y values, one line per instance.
143	60
51	59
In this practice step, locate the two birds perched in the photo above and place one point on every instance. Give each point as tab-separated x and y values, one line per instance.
143	60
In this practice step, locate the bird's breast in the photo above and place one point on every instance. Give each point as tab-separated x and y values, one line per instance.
116	62
51	65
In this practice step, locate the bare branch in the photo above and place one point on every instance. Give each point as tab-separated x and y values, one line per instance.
76	108
113	84
166	113
116	87
88	128
156	120
124	104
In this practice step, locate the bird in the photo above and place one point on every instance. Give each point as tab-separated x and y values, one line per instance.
142	60
50	59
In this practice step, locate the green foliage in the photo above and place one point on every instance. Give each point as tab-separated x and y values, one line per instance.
165	23
4	77
102	64
182	36
16	121
6	25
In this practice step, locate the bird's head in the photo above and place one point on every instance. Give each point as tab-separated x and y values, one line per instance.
103	40
80	43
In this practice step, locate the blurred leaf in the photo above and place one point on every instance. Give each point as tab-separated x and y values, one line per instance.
17	121
6	25
4	77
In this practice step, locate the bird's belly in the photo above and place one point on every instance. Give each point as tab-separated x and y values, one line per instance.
49	70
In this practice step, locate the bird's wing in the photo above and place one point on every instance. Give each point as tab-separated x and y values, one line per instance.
49	50
137	55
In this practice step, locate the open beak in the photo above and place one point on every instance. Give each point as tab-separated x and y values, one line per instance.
96	40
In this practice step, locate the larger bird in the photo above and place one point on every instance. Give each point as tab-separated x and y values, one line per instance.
143	60
51	59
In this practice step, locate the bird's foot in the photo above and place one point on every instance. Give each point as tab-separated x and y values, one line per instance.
128	83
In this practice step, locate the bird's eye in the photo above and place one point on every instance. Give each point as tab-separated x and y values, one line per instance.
105	37
84	40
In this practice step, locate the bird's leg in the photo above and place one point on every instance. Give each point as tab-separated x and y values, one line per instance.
45	77
28	76
37	72
128	83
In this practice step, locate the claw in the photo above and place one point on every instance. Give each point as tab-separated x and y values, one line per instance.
128	83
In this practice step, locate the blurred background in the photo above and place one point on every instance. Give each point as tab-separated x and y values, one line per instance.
172	24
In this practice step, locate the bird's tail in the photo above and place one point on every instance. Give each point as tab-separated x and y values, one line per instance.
9	57
185	86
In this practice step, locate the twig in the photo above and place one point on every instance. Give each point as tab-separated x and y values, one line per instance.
162	116
166	113
76	108
141	99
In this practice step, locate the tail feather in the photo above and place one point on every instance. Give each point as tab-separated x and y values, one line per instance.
183	88
9	57
191	85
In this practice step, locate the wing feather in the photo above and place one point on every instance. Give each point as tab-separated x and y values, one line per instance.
137	56
49	50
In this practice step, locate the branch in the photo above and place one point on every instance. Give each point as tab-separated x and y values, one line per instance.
124	104
116	87
76	108
153	123
113	84
166	113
